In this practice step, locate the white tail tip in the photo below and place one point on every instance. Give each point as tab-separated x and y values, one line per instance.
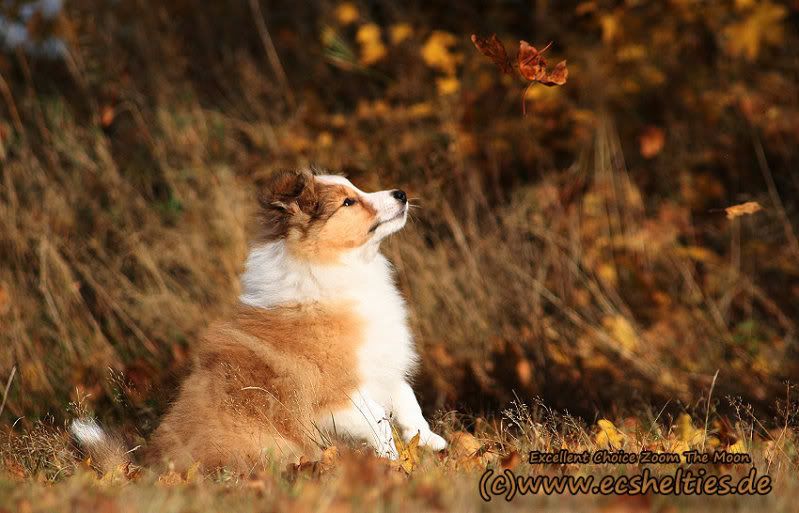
88	432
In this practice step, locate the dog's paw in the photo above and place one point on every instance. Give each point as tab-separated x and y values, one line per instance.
433	441
426	438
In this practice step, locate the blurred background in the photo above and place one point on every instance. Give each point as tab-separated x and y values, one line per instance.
579	253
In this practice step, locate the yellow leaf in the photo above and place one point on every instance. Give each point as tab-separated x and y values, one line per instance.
679	448
748	208
762	26
463	445
399	32
324	139
687	432
607	273
372	48
464	451
608	436
329	456
697	253
628	53
347	13
193	473
610	27
621	331
118	473
738	447
408	453
447	85
420	110
170	478
437	53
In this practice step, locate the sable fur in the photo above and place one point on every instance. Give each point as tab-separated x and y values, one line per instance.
259	382
319	346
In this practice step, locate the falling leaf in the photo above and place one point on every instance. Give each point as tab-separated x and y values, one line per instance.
651	141
608	436
748	208
533	66
493	48
531	63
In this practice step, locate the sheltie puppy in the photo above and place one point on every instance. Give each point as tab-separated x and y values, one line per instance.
318	347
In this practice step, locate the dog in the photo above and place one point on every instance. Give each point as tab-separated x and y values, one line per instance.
318	347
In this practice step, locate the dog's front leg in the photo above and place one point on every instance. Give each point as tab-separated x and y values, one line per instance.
363	419
408	415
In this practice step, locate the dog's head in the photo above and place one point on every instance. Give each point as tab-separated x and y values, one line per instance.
322	217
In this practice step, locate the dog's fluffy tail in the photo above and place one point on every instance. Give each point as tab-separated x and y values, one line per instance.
107	452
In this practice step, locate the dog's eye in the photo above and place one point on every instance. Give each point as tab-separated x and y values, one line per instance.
349	202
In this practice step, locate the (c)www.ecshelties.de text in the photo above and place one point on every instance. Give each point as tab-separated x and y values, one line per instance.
507	485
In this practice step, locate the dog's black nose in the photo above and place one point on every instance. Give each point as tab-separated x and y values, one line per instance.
400	196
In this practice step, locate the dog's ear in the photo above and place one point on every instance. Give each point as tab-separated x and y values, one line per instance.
288	199
290	192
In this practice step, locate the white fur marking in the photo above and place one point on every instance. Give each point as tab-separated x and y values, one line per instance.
273	277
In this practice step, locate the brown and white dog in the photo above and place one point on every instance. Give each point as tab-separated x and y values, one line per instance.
319	344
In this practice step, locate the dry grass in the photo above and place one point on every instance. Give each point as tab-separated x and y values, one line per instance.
548	256
351	479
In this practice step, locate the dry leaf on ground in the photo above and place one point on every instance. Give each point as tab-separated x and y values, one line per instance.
609	436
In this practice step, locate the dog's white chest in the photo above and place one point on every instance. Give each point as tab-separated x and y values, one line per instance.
387	352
